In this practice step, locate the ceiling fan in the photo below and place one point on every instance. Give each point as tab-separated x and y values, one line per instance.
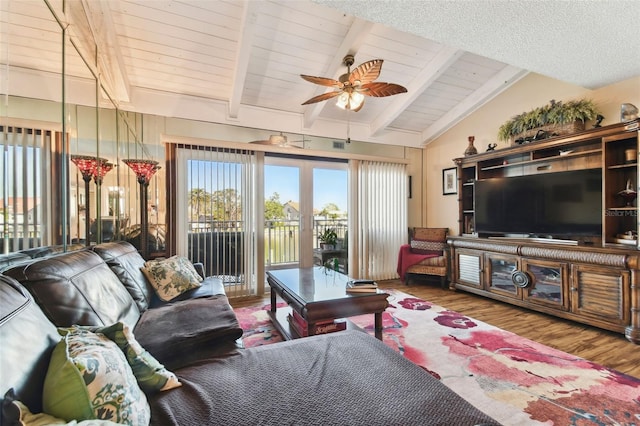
280	140
353	86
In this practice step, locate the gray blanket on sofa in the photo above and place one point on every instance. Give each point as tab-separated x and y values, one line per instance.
345	378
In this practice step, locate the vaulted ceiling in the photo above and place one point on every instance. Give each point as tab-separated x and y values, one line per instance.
239	62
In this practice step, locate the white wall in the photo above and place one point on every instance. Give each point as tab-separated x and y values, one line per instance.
531	92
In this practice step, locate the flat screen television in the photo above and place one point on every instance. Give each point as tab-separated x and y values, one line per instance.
557	205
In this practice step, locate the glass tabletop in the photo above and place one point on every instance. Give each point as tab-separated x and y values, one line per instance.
315	284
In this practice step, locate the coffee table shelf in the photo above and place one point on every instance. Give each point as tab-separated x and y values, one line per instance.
318	295
281	322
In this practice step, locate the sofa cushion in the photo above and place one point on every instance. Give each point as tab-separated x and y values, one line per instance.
171	277
89	378
344	378
210	286
178	332
150	374
125	261
77	288
27	339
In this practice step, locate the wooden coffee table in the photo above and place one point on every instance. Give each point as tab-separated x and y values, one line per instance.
318	294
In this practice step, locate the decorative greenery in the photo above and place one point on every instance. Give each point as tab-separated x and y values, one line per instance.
332	264
552	113
329	236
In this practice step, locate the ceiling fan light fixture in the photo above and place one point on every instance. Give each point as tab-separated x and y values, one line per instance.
350	100
280	140
352	87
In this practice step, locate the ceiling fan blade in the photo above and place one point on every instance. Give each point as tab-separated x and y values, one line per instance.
281	145
380	89
323	81
322	97
366	72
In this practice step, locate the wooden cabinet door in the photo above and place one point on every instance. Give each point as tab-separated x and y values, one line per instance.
601	293
468	268
548	284
498	271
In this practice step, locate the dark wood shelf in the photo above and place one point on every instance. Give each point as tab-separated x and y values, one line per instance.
622	166
598	274
544	159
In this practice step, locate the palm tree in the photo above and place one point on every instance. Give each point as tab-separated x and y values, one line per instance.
199	203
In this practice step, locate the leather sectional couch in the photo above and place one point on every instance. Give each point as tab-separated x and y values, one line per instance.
345	378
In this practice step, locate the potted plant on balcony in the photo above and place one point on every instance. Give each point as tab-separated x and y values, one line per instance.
328	239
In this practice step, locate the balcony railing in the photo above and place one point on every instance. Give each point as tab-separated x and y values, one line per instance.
281	236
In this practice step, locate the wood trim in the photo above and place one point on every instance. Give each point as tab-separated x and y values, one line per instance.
184	140
171	215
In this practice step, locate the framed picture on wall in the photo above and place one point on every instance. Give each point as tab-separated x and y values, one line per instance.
450	181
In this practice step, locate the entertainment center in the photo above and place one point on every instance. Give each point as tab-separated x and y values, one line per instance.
552	226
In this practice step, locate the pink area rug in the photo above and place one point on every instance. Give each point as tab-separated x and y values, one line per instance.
513	379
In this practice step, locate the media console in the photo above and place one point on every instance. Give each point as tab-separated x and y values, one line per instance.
592	277
539	240
595	286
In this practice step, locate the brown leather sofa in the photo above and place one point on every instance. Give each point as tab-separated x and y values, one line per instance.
83	288
346	378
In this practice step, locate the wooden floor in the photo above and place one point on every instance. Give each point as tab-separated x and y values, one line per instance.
600	346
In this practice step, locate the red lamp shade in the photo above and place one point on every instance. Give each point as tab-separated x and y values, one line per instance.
87	165
144	169
92	167
101	170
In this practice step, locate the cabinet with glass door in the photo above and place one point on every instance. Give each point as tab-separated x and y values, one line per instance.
548	283
499	270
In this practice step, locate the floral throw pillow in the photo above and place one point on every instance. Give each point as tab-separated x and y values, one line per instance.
89	378
151	375
171	277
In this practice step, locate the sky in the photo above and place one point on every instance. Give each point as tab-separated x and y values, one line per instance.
285	181
330	184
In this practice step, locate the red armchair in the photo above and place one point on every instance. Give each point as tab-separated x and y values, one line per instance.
426	254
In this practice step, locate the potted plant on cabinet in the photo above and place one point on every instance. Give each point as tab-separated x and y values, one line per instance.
553	119
328	239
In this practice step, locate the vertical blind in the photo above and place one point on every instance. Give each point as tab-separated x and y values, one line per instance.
216	213
26	188
381	217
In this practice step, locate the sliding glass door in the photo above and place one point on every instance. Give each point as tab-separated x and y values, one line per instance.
304	198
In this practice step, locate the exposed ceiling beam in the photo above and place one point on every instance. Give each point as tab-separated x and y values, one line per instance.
109	54
356	35
440	63
243	52
502	81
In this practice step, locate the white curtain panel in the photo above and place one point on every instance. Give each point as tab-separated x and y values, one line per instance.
25	171
216	192
380	218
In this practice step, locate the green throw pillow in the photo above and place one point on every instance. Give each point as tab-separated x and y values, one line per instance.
151	375
171	277
89	378
27	418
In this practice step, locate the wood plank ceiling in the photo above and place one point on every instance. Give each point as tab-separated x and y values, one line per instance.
239	62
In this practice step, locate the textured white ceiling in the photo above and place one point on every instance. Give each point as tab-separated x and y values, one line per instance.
586	43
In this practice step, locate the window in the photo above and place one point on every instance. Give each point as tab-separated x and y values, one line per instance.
26	193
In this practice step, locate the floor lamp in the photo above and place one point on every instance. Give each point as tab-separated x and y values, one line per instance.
102	169
144	170
88	166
